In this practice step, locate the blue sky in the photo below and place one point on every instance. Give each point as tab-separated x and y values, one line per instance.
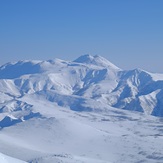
129	33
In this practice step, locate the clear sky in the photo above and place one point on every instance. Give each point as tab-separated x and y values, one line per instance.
129	33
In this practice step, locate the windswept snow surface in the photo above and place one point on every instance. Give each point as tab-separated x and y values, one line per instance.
82	111
7	159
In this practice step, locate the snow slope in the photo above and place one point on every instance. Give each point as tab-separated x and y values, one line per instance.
7	159
77	111
59	134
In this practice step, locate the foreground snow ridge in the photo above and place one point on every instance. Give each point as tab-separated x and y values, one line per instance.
87	110
7	159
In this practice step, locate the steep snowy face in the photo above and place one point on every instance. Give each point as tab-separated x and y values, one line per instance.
138	90
74	84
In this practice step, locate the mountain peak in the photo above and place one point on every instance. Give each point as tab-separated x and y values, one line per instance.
84	59
95	60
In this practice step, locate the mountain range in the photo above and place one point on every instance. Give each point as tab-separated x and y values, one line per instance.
83	110
88	78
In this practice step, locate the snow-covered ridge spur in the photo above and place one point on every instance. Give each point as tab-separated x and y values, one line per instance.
88	78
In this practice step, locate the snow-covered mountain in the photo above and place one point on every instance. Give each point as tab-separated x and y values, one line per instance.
73	111
88	78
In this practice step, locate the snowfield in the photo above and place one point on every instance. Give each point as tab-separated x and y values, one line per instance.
84	111
7	159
